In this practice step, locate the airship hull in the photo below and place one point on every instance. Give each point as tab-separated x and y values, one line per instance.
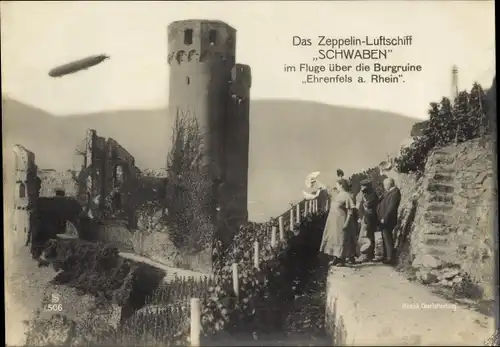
77	65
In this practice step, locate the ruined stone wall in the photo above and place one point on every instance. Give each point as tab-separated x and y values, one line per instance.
109	170
57	181
25	194
449	239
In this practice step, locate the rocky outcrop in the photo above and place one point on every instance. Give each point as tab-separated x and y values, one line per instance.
450	241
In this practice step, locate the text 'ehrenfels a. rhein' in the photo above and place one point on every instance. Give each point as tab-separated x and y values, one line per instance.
353	59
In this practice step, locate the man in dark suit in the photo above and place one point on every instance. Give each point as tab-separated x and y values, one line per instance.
366	204
387	212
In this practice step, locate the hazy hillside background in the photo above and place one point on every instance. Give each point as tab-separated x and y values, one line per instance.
288	139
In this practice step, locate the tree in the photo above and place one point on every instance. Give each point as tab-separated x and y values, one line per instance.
443	130
461	118
190	214
466	119
479	123
428	131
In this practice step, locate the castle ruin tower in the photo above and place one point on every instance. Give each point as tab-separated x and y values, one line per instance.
454	82
27	188
235	195
201	55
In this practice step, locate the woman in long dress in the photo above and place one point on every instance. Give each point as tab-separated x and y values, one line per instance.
341	230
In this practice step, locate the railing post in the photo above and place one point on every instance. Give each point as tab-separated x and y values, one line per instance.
256	254
195	322
292	220
236	284
306	208
282	228
315	206
327	204
273	237
297	220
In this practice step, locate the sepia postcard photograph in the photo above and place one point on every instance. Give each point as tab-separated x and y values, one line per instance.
249	173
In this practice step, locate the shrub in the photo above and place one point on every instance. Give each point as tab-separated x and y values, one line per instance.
414	157
91	329
97	269
373	174
465	119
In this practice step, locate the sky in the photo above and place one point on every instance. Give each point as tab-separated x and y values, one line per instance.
38	36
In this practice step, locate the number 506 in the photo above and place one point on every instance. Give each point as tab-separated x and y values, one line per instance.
54	307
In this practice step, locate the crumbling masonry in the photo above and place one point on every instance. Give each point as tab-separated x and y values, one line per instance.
46	200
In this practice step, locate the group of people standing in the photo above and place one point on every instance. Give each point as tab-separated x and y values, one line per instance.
349	234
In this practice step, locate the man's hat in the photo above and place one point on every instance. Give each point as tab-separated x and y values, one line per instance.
365	183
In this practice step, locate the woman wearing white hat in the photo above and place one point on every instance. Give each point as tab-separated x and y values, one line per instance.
316	190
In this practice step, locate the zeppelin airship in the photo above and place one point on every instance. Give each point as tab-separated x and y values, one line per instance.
77	65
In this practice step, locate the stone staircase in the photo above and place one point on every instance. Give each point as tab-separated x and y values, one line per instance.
439	214
451	242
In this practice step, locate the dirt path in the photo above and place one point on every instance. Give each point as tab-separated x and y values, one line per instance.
372	302
25	285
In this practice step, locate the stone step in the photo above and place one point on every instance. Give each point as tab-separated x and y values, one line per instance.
443	151
440	207
443	168
443	177
444	159
446	198
445	253
436	240
438	229
440	187
439	218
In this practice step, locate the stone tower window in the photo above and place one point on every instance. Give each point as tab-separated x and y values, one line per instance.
212	37
188	80
188	36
